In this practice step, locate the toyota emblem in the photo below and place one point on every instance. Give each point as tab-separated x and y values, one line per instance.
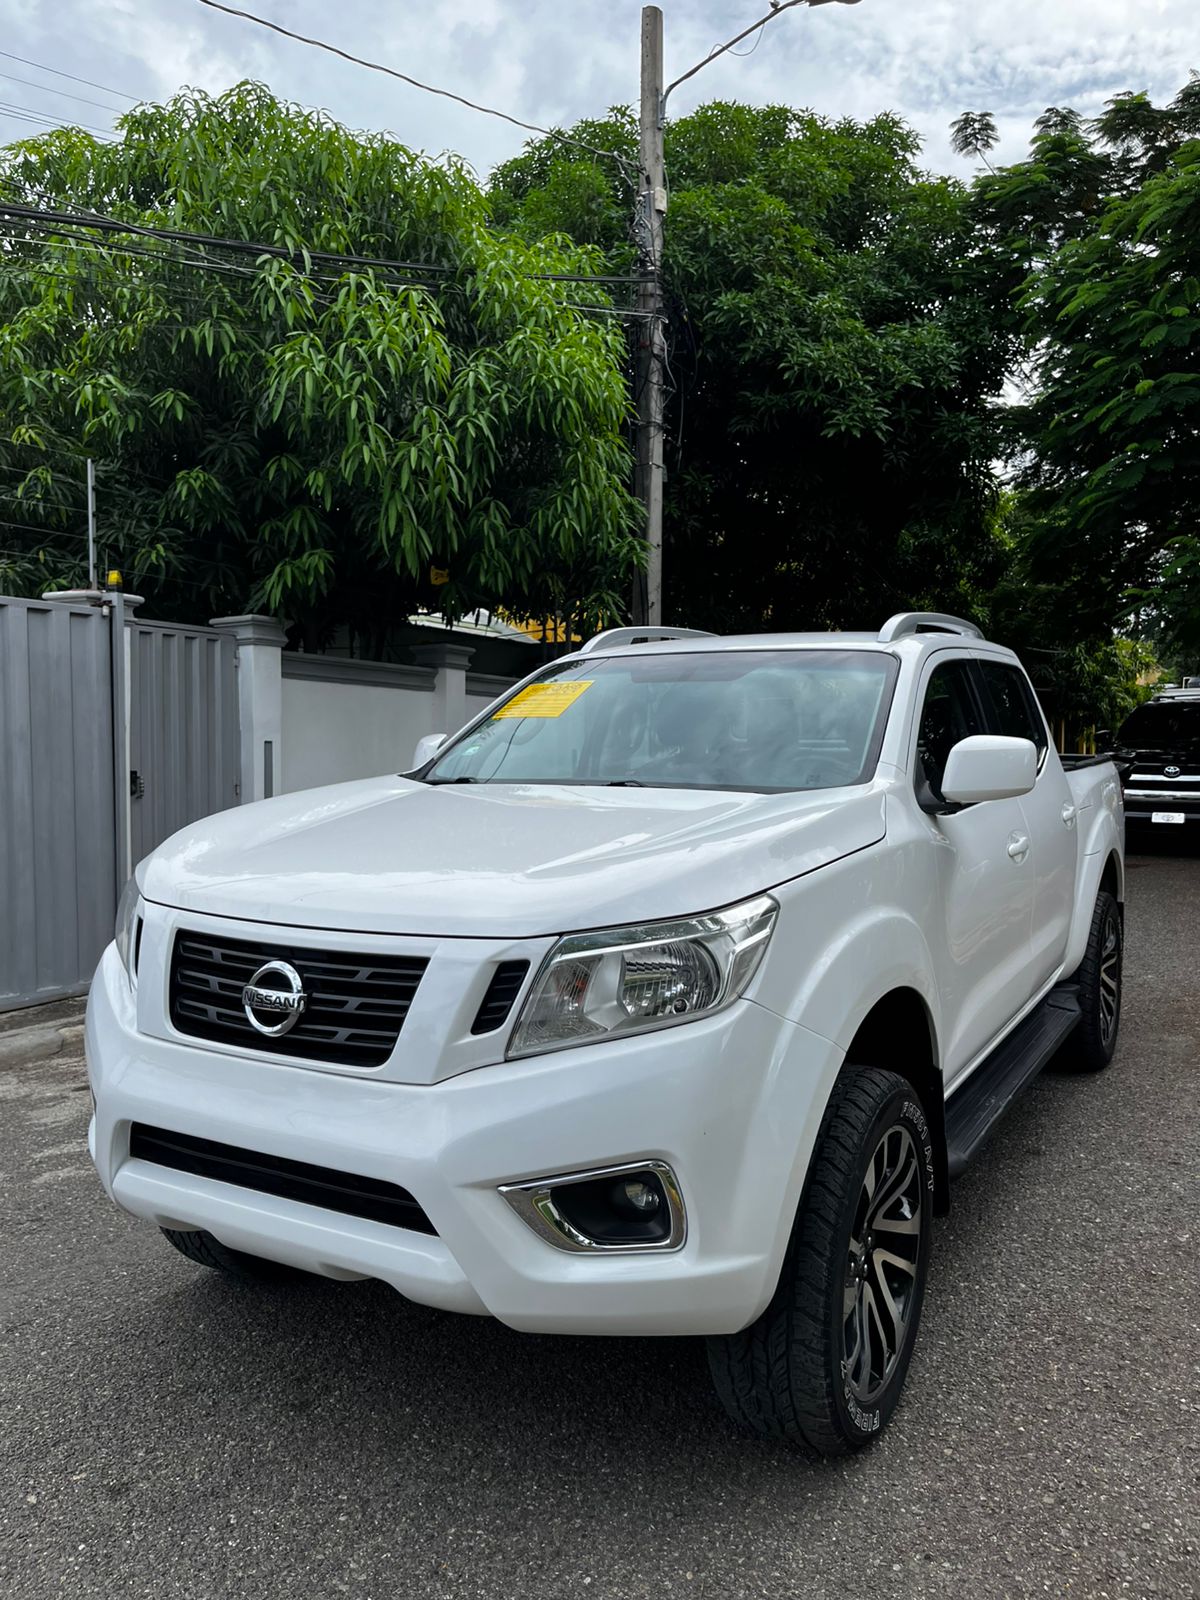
274	999
1171	772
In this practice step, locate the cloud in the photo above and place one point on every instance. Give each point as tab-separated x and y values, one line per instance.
550	61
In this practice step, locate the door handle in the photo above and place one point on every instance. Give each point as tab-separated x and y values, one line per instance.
1018	846
1069	813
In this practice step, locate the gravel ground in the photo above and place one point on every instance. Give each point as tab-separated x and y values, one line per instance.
168	1434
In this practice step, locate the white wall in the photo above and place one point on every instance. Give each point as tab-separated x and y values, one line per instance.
337	730
358	719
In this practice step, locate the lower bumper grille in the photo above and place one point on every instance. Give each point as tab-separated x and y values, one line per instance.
370	1198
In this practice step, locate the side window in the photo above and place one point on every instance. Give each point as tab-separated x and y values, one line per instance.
948	715
1012	708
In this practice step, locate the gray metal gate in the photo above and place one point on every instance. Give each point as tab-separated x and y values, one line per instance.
183	729
84	795
57	857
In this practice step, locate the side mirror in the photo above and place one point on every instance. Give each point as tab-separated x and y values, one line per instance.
426	749
1104	738
989	766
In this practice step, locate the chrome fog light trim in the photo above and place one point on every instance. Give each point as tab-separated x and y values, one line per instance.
534	1203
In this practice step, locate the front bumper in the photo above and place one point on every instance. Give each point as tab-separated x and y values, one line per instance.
732	1103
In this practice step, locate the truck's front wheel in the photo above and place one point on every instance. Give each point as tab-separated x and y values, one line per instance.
826	1361
206	1251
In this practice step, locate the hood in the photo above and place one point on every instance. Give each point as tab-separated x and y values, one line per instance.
388	855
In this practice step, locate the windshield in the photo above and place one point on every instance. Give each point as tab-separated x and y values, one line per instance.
757	720
1162	725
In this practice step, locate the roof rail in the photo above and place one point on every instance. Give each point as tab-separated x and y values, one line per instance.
926	622
619	636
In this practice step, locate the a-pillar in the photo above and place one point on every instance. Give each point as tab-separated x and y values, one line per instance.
260	642
450	661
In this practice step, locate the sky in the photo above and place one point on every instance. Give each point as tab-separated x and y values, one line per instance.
551	61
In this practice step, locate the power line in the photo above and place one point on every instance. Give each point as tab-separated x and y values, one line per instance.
446	94
101	222
97	220
47	88
112	254
30	114
8	56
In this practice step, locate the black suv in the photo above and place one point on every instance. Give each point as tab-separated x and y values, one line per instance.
1160	743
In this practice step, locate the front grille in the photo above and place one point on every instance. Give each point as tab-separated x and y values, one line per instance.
371	1198
353	1013
501	992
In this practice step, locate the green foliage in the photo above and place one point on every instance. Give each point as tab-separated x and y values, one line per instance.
1084	680
974	134
829	431
1096	241
302	435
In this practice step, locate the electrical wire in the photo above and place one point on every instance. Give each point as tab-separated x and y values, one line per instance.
778	7
41	67
28	527
95	219
42	505
18	229
29	114
47	88
415	83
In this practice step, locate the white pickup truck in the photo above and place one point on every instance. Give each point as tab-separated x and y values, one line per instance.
665	998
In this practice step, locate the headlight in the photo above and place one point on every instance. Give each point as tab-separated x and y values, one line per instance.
127	928
594	986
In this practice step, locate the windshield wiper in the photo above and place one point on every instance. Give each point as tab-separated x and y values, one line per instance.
624	783
452	780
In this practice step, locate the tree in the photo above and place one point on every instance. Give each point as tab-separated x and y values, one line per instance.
974	134
1096	240
297	431
833	359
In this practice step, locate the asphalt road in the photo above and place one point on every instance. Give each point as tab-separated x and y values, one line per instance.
164	1433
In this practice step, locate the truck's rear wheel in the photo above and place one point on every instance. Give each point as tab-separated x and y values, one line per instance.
1090	1047
826	1361
206	1251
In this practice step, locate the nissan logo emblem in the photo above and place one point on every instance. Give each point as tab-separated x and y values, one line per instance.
274	999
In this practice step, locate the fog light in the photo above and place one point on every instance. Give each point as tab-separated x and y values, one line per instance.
634	1207
638	1197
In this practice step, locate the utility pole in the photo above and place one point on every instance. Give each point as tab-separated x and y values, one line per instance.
91	510
652	328
652	336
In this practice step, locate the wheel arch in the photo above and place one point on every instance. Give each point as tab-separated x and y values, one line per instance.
902	1014
1112	878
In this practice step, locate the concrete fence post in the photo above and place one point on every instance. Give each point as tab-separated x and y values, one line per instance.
450	662
260	642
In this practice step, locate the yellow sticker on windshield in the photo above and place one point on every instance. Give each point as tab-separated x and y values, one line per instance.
544	699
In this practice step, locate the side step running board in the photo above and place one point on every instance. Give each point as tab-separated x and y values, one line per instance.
975	1109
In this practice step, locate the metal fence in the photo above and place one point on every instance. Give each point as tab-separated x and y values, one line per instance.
103	754
183	729
57	814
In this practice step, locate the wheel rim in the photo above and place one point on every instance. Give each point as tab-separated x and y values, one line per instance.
881	1267
1110	979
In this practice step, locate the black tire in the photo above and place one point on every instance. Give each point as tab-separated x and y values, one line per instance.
788	1375
1090	1048
206	1251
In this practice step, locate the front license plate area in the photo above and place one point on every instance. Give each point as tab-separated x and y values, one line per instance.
1166	816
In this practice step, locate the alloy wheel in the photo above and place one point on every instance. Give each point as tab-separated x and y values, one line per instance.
880	1289
1110	978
